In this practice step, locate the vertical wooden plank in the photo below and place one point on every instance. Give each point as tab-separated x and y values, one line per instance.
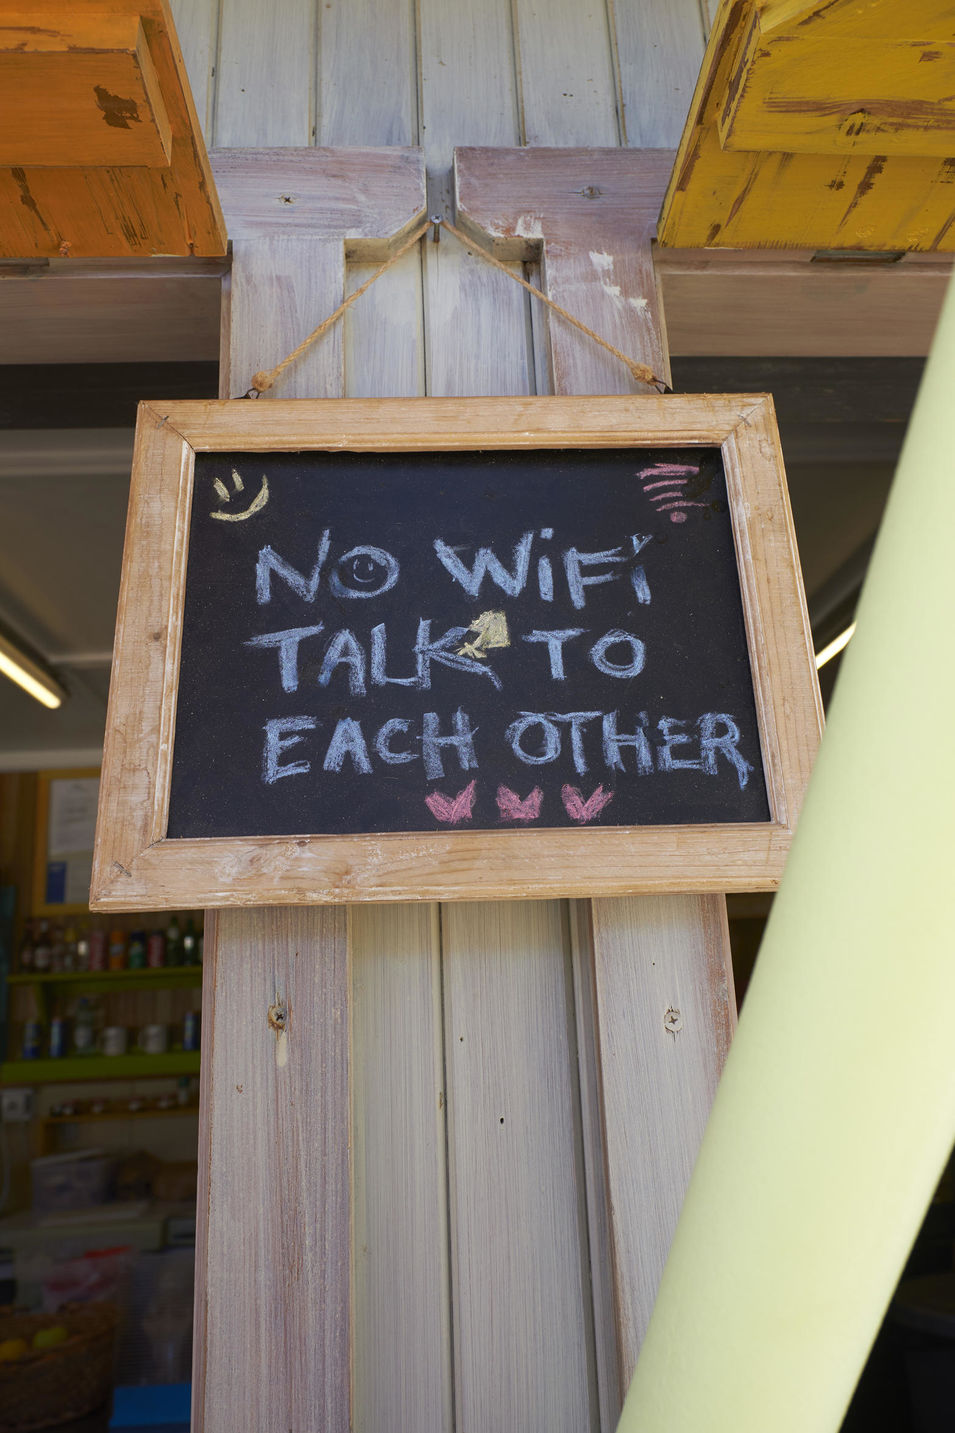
660	49
593	211
519	1239
476	330
367	86
275	1282
273	1267
384	332
521	1334
595	227
402	1317
610	1390
567	77
265	72
665	1013
708	9
286	276
297	281
368	48
402	1323
197	26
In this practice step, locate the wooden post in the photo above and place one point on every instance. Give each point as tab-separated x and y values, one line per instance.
660	984
273	1250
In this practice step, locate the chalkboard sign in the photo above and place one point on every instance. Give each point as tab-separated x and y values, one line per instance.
454	647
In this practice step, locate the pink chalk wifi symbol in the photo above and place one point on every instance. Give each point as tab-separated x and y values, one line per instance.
583	811
665	485
452	809
512	808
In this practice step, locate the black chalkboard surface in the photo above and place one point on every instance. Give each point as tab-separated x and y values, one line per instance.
428	641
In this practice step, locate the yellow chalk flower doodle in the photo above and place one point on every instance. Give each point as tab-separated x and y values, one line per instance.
490	630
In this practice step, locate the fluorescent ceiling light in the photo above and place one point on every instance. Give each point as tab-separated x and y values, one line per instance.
29	671
835	646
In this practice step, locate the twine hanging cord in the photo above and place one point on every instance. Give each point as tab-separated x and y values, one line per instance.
268	377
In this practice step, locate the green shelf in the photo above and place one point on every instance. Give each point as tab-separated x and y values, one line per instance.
99	1067
166	977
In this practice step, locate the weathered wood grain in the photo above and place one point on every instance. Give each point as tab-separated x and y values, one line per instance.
842	199
273	1285
593	212
606	1373
720	303
475	320
517	1222
292	216
567	73
479	341
265	74
660	49
81	209
402	1375
367	81
665	1013
197	25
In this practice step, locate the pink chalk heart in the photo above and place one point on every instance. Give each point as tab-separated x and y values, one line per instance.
452	808
580	810
512	808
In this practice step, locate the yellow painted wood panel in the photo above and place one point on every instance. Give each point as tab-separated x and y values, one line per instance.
722	198
883	19
813	94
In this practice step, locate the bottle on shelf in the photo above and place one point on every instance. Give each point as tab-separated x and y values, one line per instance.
27	945
173	943
85	1029
57	951
70	942
156	950
43	950
117	949
190	1030
58	1037
137	950
99	948
32	1040
83	949
190	944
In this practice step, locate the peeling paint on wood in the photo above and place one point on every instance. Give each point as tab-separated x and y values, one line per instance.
791	113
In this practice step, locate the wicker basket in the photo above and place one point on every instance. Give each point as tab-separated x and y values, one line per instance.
52	1385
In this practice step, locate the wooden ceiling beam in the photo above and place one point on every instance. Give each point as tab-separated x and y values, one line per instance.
721	303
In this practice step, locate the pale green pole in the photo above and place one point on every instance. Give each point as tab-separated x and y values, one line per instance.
836	1111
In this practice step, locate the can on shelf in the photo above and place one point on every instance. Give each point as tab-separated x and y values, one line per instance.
57	1037
32	1040
98	949
190	1030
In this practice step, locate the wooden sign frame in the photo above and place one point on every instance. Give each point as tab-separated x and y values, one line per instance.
136	867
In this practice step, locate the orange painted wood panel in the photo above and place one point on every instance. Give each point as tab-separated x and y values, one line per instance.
89	97
91	200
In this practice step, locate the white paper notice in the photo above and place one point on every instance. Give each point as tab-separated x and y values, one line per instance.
72	816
